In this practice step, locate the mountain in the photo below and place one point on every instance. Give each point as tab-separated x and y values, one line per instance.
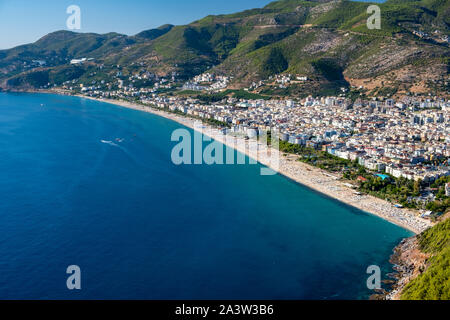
152	34
326	40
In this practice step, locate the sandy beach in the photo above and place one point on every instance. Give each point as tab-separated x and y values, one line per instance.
299	172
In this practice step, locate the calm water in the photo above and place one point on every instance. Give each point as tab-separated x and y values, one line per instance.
142	228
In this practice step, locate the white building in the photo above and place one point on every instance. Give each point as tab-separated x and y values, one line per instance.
78	61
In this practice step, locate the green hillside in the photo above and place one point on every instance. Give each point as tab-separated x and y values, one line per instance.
326	40
434	283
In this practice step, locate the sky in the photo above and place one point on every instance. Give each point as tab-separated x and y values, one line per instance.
25	21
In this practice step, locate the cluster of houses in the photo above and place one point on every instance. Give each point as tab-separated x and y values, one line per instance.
207	82
403	139
279	80
436	35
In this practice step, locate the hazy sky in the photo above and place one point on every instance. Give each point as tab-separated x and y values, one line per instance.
25	21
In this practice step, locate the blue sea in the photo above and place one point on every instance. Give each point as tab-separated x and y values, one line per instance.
140	227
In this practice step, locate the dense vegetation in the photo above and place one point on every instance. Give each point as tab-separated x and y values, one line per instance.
436	239
329	69
434	282
276	63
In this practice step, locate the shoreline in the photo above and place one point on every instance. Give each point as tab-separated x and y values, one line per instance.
306	175
409	263
301	173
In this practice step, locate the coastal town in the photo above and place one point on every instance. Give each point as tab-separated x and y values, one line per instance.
291	150
407	138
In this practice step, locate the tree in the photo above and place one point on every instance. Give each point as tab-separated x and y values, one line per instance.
417	185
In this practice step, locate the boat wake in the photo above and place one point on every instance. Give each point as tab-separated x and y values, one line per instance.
123	149
109	143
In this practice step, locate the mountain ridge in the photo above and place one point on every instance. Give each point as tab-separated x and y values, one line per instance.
326	40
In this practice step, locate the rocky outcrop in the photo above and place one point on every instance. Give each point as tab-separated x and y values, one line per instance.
409	262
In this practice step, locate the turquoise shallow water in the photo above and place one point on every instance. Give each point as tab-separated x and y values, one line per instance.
140	227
